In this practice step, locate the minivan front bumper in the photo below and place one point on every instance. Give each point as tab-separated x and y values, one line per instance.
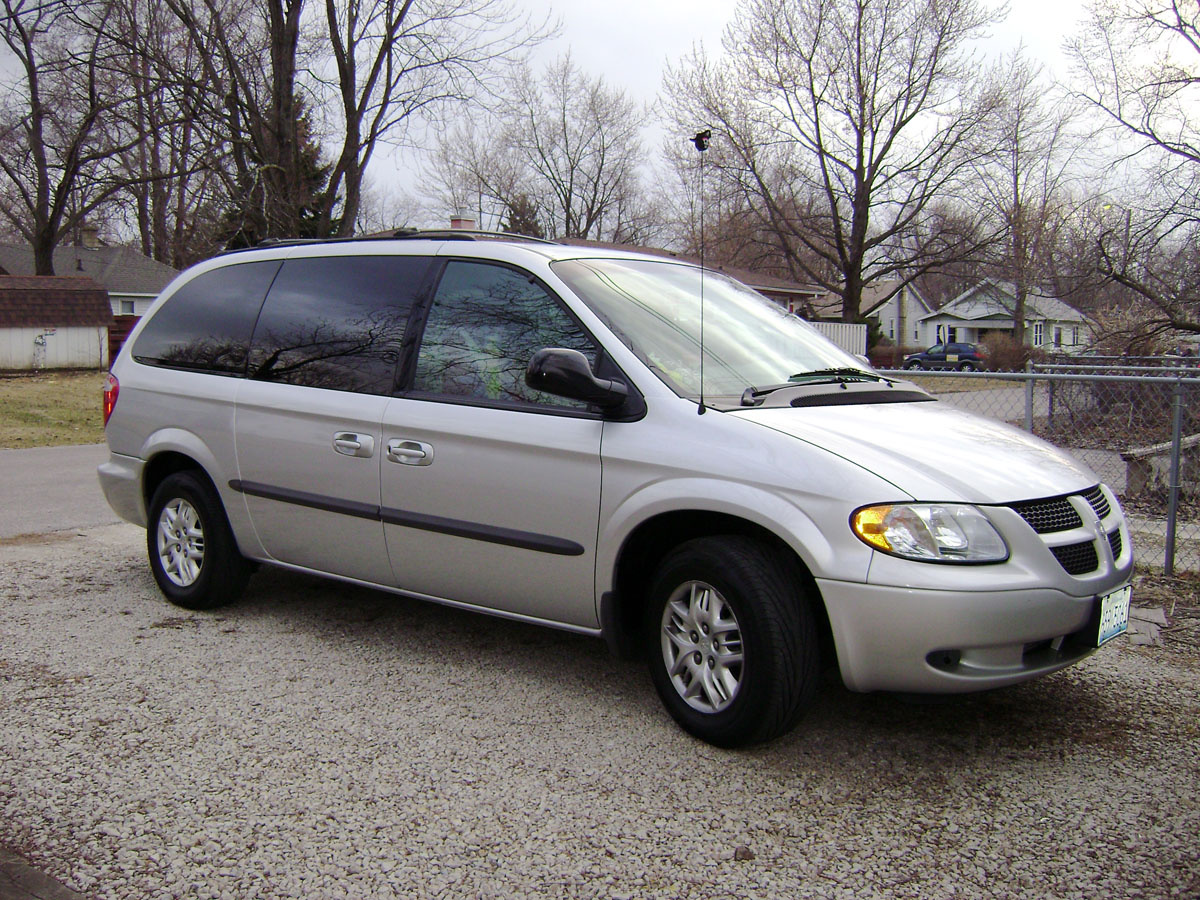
933	641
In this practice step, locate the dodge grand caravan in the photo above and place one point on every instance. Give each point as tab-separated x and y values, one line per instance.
610	443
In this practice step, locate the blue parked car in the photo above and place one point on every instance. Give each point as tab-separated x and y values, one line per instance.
964	357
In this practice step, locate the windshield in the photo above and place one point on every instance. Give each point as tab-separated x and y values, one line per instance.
654	307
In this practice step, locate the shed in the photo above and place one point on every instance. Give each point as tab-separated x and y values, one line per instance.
53	322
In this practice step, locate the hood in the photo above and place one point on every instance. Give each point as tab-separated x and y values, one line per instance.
933	451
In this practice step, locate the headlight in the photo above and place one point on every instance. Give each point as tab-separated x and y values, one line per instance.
930	532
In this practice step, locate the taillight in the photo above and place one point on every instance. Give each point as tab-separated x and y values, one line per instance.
111	388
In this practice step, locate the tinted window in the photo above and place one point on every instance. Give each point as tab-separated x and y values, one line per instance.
337	322
206	324
485	324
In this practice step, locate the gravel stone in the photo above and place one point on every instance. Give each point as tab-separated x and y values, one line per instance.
320	740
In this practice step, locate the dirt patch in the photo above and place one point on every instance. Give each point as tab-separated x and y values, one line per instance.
1174	594
24	540
1179	600
50	409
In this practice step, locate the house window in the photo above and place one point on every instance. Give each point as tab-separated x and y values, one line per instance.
951	334
1074	335
1039	335
126	308
1057	336
892	328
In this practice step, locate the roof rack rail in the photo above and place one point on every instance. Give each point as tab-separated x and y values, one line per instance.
284	242
463	234
443	234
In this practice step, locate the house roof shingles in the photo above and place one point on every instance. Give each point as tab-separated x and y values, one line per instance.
994	299
120	270
52	302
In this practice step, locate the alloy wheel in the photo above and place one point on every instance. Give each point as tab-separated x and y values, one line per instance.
702	647
180	542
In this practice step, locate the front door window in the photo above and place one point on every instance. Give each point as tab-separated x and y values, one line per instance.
485	324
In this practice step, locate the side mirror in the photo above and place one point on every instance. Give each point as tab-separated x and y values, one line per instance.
567	373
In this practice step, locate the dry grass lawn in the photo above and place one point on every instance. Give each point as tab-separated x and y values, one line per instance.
949	384
49	409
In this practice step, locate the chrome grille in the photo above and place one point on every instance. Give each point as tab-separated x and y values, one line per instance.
1098	501
1048	516
1077	559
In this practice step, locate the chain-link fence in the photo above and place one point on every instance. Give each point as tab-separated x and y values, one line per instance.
1138	428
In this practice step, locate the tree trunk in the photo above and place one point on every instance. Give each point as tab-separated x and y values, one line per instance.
44	243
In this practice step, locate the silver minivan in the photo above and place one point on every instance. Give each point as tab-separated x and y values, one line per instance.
611	443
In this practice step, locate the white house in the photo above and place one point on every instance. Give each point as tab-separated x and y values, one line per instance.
987	308
897	309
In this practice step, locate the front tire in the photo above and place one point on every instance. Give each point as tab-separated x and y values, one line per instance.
731	640
193	554
913	364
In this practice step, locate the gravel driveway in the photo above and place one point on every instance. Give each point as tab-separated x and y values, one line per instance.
323	741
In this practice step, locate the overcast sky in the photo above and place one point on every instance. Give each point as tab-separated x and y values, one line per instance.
630	42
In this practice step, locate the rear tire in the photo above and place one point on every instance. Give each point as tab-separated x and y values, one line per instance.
731	640
967	367
193	554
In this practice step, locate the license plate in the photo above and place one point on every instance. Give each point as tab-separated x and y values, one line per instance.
1114	614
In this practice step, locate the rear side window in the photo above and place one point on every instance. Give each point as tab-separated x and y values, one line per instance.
484	326
337	322
206	324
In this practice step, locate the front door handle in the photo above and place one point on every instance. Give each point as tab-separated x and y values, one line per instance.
350	444
410	453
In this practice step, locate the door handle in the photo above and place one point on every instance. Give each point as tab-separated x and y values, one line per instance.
350	444
410	453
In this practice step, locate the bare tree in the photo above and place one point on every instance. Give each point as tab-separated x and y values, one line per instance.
1138	64
565	146
580	141
248	58
175	191
1029	157
64	122
347	74
396	61
476	170
845	121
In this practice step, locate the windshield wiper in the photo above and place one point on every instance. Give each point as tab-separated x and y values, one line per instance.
844	372
752	395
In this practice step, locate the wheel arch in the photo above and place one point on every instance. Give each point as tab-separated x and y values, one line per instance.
165	464
621	608
174	450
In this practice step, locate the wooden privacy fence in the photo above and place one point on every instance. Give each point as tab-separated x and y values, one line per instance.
118	331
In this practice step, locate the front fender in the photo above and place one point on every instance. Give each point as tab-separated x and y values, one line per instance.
821	552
